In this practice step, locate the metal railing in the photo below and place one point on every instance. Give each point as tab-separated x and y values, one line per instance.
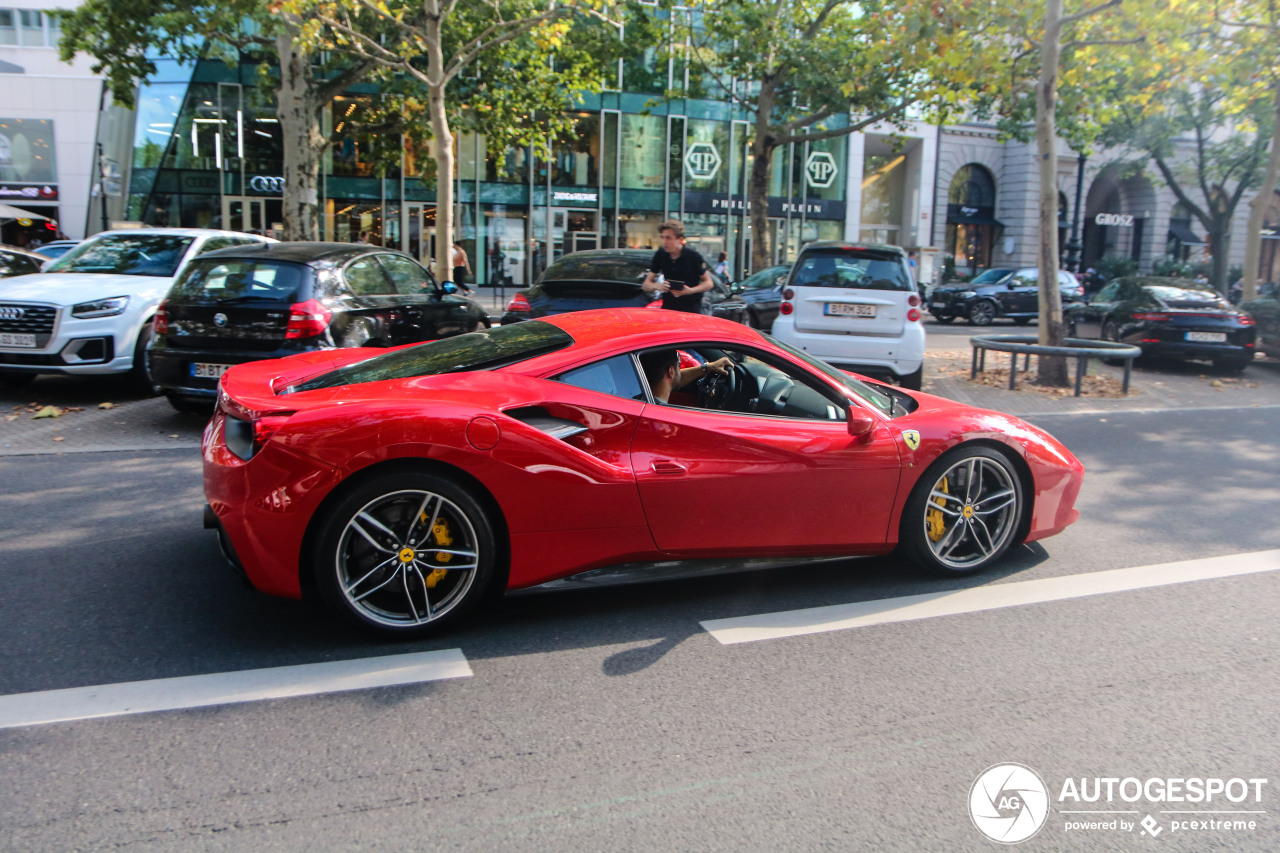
1027	346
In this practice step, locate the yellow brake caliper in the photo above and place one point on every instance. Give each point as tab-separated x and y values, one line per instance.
440	530
934	518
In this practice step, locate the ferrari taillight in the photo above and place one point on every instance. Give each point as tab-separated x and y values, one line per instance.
245	437
307	319
519	304
265	427
160	322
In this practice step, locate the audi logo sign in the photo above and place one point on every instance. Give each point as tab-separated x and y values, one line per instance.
8	312
266	184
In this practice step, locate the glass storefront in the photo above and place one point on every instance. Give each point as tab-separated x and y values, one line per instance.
207	152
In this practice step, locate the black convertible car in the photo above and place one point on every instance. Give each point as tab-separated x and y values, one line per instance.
1167	318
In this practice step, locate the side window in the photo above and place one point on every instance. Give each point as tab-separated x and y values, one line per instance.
615	376
408	277
1108	293
367	278
217	243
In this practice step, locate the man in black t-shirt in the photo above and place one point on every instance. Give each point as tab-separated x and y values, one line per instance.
677	272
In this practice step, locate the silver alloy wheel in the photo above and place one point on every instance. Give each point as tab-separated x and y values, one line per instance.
971	512
407	558
982	312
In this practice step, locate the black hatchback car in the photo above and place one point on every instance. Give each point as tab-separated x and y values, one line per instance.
271	300
606	278
1167	318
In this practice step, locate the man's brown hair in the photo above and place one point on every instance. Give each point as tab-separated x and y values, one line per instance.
675	226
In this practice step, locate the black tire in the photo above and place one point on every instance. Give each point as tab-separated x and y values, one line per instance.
944	320
985	513
752	322
912	381
187	406
140	378
378	586
982	312
17	380
1111	332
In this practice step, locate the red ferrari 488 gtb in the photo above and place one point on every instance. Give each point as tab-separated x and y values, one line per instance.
403	486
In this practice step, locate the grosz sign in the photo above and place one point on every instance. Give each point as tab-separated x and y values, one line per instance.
1124	220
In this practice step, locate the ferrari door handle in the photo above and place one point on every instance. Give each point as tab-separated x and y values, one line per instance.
666	466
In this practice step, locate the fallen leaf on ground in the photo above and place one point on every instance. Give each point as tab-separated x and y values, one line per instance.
48	412
10	417
58	438
106	405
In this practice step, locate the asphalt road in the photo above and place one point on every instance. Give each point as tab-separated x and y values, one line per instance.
612	719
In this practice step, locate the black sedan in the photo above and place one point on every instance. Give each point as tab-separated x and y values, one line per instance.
762	291
1167	318
606	278
263	301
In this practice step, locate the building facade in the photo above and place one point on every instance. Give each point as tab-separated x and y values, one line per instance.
48	128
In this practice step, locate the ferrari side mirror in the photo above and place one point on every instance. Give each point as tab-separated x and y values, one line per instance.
860	422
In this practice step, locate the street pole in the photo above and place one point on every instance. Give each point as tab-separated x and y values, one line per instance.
1073	242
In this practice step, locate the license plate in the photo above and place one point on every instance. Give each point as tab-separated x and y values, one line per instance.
1207	337
202	370
846	309
13	339
938	304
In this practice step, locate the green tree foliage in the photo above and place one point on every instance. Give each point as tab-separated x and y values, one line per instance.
123	36
507	68
793	65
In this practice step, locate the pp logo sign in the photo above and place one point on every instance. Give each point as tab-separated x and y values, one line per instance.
702	161
1008	803
820	169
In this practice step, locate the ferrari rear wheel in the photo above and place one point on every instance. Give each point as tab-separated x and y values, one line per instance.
964	513
406	554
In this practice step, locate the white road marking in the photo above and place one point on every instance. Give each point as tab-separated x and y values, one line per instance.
224	688
862	614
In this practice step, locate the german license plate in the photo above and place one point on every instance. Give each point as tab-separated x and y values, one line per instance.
938	304
13	339
1208	337
203	370
847	309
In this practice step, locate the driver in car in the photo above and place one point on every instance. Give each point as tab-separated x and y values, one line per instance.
662	369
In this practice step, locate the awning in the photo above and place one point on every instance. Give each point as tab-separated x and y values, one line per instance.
958	214
8	211
1182	232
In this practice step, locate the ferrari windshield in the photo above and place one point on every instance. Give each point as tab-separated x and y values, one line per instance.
484	350
126	254
877	398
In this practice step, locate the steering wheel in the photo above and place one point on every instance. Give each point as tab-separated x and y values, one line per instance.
715	390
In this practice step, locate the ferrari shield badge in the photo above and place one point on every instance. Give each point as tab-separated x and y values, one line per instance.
912	438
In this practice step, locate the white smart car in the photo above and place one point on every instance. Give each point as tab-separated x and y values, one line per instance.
855	306
89	312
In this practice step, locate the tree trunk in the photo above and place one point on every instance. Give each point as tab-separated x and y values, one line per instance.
1258	208
762	148
1052	369
299	114
1219	234
444	147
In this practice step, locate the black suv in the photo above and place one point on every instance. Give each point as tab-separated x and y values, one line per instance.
1015	296
276	299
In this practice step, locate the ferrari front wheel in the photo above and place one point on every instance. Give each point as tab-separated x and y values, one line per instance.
964	512
405	554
